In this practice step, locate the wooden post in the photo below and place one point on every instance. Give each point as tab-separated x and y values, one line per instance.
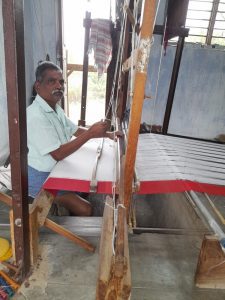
87	26
105	250
138	98
13	24
11	219
123	86
210	271
114	278
34	237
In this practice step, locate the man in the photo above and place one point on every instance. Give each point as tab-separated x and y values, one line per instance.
49	134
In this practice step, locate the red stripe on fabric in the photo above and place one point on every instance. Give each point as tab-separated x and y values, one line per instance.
65	184
146	187
176	186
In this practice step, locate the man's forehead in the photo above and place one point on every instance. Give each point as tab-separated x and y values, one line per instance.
53	73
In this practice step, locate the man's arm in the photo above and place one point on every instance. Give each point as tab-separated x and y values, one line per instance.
97	130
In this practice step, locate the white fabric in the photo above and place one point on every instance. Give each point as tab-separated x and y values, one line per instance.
161	157
79	165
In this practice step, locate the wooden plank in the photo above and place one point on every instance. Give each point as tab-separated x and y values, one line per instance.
42	203
12	234
119	247
126	290
79	68
34	237
119	285
210	271
138	98
121	87
83	226
5	199
129	14
105	251
69	235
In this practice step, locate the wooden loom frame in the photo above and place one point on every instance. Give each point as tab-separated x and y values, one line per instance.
209	274
114	279
119	284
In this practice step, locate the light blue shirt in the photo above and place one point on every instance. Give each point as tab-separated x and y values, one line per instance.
47	130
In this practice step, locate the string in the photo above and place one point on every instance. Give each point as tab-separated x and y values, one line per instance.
152	115
114	104
118	66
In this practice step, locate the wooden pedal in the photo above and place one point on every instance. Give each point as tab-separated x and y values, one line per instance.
210	271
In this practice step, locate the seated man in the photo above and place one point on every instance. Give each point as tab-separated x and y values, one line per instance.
49	134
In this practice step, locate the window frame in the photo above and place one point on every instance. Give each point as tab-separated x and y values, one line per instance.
208	37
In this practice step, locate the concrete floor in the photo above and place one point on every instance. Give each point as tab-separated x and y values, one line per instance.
162	265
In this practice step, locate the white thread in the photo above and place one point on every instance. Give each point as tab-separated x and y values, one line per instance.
152	115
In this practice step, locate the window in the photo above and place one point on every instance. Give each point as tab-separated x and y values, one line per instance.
206	20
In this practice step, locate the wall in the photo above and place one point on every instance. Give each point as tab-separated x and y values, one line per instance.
41	37
199	103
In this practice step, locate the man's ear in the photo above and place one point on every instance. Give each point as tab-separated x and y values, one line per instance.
37	85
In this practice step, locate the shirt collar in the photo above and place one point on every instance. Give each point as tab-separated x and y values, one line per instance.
46	107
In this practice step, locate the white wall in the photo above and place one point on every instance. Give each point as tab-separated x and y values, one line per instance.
199	101
41	38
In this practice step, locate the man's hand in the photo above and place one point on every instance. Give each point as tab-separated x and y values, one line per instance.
98	129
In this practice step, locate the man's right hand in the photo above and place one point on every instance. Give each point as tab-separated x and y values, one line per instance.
98	129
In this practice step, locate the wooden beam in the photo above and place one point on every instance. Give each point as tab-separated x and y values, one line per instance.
5	199
119	284
105	250
76	67
130	15
12	234
126	290
42	204
87	26
69	235
138	98
123	78
34	237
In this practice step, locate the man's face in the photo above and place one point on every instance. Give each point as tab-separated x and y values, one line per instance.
51	87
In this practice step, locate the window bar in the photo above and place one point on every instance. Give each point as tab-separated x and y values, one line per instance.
212	21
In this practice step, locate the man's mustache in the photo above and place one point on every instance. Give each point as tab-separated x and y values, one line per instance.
57	91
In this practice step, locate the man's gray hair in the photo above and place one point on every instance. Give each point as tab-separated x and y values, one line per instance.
43	67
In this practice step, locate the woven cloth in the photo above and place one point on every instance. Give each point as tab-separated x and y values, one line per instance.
101	43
